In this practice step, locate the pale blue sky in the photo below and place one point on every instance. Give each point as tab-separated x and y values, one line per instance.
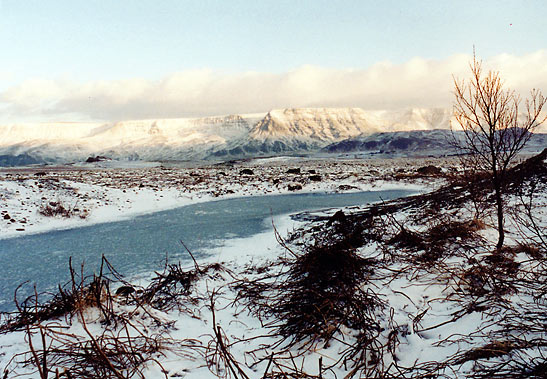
108	40
111	39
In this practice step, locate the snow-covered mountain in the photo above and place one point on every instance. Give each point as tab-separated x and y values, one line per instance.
162	139
331	124
317	124
301	130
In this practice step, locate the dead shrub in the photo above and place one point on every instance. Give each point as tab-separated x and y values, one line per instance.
452	230
58	209
408	239
440	240
322	293
72	297
490	350
493	275
532	250
172	288
316	293
122	347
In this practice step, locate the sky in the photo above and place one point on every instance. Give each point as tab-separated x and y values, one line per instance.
113	60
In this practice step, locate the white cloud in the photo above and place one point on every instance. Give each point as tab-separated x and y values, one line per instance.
416	83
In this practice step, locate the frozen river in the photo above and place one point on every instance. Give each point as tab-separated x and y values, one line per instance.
140	244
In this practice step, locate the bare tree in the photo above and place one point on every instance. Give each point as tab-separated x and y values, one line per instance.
495	127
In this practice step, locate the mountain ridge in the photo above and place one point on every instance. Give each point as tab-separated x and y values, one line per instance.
289	130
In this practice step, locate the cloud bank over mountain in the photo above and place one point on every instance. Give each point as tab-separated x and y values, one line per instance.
417	83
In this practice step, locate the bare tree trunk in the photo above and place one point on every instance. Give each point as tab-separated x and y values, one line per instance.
497	181
499	206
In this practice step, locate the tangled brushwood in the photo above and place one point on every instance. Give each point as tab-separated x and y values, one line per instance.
330	286
124	345
316	293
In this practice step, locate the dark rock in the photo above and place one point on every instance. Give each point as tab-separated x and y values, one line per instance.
7	216
98	158
246	171
429	170
40	173
293	171
125	290
315	178
294	187
236	151
345	187
220	153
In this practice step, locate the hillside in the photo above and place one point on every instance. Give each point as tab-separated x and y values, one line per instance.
281	131
416	142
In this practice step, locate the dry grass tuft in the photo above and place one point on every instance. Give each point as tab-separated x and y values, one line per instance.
58	209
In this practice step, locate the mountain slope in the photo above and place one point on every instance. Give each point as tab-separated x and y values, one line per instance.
320	124
406	141
277	132
310	129
416	142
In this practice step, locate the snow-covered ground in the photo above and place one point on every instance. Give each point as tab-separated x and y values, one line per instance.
103	193
433	309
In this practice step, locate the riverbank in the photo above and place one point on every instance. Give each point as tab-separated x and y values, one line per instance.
40	199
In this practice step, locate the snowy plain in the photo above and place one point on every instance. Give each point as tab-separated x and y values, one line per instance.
113	191
418	303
